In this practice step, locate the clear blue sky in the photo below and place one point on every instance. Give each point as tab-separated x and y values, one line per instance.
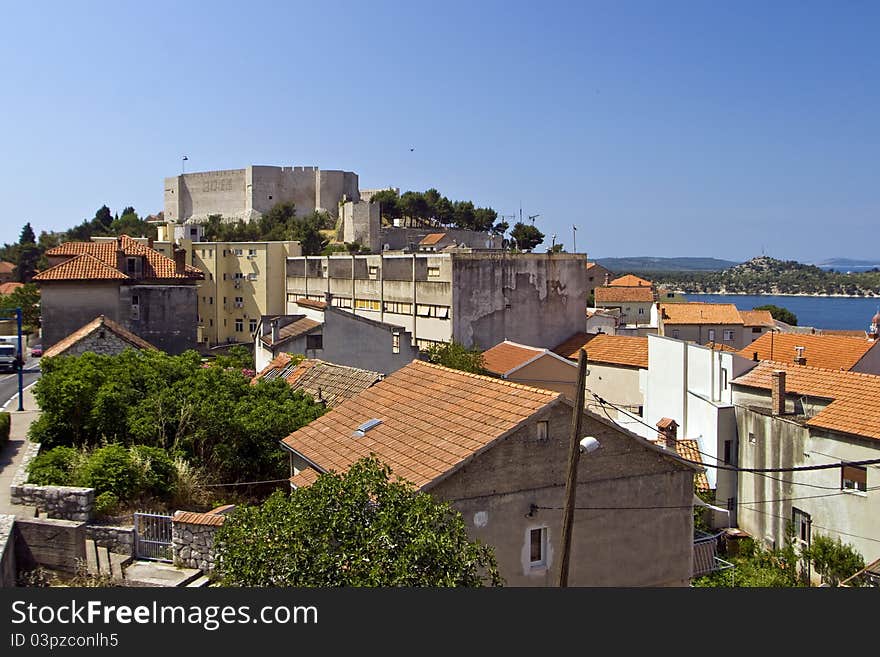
658	128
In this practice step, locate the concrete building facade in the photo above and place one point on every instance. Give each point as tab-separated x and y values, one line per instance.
478	299
245	194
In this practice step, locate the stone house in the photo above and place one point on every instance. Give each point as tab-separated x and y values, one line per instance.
498	452
100	336
790	416
128	282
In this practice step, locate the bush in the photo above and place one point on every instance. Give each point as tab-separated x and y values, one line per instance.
5	426
55	467
106	504
834	560
157	474
111	469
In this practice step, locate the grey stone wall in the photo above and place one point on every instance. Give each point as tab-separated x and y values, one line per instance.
7	551
60	502
68	306
100	341
30	453
193	545
56	544
168	316
116	539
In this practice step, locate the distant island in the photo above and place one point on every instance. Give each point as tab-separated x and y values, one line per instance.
652	264
761	275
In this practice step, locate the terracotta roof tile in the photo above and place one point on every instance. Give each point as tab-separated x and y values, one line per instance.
79	268
836	352
624	294
333	383
700	313
10	287
7	267
854	409
192	518
689	449
613	349
757	318
629	280
419	437
433	238
99	322
718	346
311	303
292	330
506	356
155	265
304	478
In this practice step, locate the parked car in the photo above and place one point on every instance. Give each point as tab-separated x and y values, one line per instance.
36	351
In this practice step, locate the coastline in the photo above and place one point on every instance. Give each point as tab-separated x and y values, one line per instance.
783	294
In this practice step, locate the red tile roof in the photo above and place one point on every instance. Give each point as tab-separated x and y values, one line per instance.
836	352
688	448
99	322
304	478
333	383
700	313
97	261
192	518
433	238
854	409
629	280
433	420
624	294
310	303
757	318
7	267
506	356
613	349
290	331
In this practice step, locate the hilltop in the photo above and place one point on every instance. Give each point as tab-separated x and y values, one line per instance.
652	264
766	275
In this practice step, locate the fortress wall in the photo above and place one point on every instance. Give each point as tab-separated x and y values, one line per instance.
283	184
212	192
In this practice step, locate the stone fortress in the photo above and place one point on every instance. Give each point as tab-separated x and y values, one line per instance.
246	194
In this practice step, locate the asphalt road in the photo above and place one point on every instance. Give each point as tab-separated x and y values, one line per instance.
9	384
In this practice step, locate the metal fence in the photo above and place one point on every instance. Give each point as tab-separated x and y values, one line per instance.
152	536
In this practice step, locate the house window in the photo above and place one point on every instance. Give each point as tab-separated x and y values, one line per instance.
239	325
341	302
675	333
801	521
395	343
252	325
238	275
135	307
314	341
729	454
728	335
398	308
252	277
210	301
238	252
366	304
132	266
854	477
723	379
641	311
756	329
373	272
239	302
543	430
711	335
752	439
210	322
538	547
252	252
433	272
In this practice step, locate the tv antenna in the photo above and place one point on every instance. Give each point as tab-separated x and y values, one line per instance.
532	218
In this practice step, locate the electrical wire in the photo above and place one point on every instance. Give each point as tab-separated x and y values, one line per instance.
243	483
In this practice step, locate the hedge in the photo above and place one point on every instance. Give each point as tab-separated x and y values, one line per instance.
5	426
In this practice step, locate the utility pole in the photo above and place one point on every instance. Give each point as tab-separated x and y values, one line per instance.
577	415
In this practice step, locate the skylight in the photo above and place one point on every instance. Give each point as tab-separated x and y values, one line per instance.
366	426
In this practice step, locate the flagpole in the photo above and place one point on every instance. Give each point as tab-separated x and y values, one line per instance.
574	243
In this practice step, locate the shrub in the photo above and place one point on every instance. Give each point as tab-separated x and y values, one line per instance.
5	426
834	560
54	467
106	503
157	474
111	469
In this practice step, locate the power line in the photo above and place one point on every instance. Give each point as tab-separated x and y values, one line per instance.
243	483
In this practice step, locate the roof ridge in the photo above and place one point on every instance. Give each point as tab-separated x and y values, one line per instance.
490	379
78	257
792	366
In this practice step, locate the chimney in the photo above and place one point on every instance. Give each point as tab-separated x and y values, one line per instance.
607	278
179	261
778	392
120	255
755	356
799	358
668	428
275	332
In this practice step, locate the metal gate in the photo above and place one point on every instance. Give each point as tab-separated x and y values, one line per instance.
152	536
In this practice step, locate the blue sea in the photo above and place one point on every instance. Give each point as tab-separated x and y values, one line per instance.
849	313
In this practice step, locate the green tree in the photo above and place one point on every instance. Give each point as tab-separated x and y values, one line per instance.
780	313
389	204
500	228
359	528
103	217
28	257
526	236
27	235
556	248
456	356
307	231
26	297
834	560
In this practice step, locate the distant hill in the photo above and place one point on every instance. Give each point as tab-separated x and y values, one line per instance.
848	264
651	264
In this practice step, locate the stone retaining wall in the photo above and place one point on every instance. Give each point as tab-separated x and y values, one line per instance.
192	538
116	539
58	502
30	452
7	551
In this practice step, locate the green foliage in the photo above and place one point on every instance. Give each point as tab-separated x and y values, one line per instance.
526	236
456	356
556	248
209	415
156	471
430	208
110	469
353	529
106	503
54	467
780	313
755	566
238	356
833	559
26	297
27	235
278	224
5	427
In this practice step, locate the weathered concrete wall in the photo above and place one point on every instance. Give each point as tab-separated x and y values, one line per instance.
115	539
60	502
360	223
539	300
193	545
67	307
56	544
168	315
7	551
334	186
496	491
700	333
358	342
